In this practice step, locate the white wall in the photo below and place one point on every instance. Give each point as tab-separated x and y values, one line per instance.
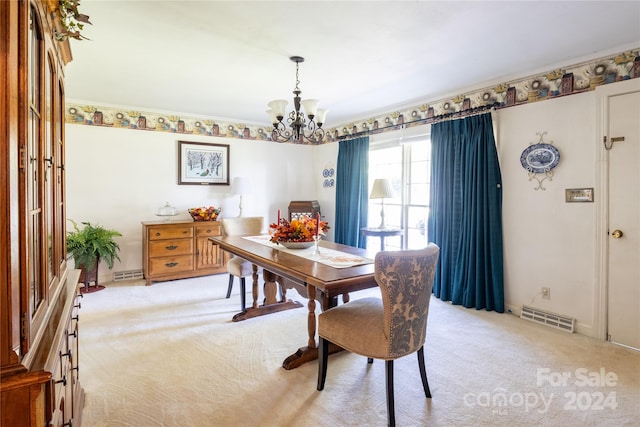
548	242
119	177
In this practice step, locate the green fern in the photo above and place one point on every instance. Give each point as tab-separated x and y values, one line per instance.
91	243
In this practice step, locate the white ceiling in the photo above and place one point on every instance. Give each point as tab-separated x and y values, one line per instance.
227	59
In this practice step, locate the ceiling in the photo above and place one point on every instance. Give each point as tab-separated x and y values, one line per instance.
228	59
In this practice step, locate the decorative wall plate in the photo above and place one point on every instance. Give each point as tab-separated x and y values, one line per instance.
540	158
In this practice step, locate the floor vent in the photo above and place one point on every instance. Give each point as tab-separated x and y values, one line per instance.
119	276
546	318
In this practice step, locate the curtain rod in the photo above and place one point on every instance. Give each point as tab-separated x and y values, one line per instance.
429	120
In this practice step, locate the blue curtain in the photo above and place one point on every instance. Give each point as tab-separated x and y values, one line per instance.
352	184
465	217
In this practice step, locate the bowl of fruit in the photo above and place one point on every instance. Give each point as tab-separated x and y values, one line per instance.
204	214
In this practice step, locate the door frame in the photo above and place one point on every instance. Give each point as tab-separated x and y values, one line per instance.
601	288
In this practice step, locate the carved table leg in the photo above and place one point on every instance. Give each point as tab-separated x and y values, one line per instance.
310	352
270	287
254	290
271	303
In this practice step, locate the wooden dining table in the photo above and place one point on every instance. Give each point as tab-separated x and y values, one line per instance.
318	281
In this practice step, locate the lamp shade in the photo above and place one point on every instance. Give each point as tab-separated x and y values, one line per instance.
241	185
278	107
382	189
310	106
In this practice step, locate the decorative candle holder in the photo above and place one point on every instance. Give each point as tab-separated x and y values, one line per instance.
316	244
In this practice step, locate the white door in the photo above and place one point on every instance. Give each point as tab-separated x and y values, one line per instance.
623	318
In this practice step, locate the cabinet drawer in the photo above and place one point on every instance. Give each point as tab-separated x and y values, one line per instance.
209	230
170	264
170	247
176	232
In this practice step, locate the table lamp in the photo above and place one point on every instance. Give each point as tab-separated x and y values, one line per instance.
240	186
382	189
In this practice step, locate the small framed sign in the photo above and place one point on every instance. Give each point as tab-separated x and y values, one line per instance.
578	195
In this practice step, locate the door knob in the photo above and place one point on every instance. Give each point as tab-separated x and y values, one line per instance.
617	234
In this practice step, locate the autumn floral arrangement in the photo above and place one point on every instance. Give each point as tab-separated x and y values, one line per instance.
205	214
302	229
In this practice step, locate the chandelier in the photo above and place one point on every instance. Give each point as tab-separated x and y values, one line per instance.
301	130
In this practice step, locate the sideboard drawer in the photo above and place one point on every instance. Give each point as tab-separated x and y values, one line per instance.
156	233
210	230
170	264
158	248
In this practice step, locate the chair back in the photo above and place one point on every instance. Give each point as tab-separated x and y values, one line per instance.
405	279
242	226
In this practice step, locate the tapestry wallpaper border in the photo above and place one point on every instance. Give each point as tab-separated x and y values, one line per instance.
561	82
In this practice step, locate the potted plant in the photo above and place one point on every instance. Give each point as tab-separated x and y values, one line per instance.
88	246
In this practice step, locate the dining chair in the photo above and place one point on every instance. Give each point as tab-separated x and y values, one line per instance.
236	266
385	328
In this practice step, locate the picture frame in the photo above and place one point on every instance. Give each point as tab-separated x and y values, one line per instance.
201	163
573	195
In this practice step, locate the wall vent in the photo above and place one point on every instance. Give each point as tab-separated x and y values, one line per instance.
547	318
119	276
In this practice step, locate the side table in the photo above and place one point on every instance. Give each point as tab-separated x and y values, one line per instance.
381	232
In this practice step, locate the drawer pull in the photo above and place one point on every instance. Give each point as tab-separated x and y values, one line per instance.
73	334
69	424
171	247
67	354
76	318
63	381
158	234
79	305
171	264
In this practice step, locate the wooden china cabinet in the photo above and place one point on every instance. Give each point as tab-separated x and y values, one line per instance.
39	370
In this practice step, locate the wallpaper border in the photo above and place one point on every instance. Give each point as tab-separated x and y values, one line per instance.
575	79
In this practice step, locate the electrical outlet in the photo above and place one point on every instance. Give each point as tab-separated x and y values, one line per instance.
546	293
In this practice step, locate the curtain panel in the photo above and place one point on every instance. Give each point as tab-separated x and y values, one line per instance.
465	217
352	184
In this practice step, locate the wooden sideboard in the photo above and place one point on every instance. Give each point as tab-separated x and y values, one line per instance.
180	249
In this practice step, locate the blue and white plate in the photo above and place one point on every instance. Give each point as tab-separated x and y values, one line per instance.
540	158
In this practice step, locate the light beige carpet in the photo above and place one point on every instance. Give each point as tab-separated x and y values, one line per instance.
169	355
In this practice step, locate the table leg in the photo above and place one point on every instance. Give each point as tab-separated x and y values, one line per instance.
310	352
271	303
382	243
254	289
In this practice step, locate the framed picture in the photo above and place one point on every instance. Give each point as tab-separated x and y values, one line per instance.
579	194
200	163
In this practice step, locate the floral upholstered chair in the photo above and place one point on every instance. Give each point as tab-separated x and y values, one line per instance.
239	267
387	328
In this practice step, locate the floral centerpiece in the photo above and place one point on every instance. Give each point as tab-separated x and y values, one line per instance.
303	229
205	214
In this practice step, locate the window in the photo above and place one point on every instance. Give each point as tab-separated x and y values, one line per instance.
406	161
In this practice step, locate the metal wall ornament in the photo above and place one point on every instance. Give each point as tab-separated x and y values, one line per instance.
539	159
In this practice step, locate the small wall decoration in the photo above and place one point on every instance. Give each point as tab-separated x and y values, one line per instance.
578	195
539	159
327	173
200	163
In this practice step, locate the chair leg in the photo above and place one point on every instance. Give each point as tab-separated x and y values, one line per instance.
391	411
243	295
423	373
323	358
230	286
